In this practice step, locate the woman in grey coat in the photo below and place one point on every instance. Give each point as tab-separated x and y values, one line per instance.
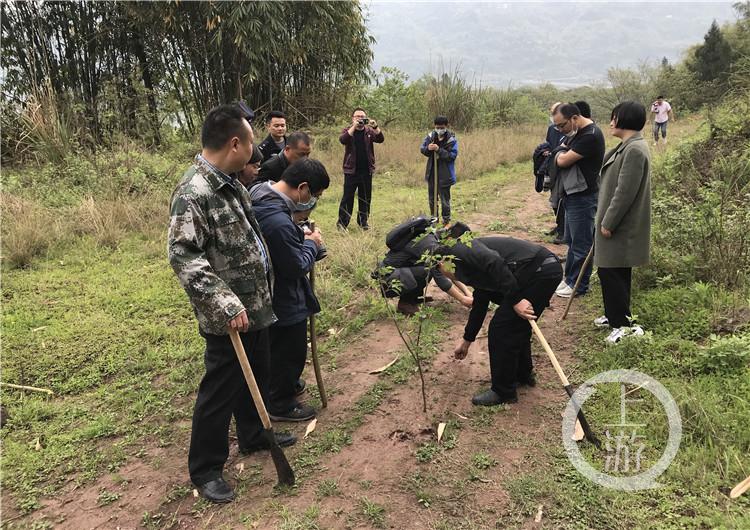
623	218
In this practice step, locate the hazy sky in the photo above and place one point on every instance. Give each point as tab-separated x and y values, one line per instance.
567	43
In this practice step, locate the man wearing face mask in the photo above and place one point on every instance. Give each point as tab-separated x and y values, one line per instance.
441	143
585	150
293	252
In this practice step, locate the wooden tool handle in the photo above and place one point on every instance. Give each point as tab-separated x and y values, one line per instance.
578	282
740	488
239	349
550	353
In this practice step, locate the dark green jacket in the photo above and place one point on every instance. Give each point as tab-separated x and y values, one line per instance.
624	206
214	246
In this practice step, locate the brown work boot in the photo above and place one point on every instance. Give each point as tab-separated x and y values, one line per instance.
405	308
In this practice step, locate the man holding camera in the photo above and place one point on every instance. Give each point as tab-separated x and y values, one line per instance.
662	111
359	165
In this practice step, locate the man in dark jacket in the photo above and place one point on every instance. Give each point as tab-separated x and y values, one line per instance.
293	253
403	273
275	142
297	147
520	277
359	165
441	143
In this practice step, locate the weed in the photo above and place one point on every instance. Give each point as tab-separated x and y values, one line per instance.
328	488
107	497
373	512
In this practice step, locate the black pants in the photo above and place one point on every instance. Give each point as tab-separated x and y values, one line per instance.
509	337
444	192
616	294
362	184
560	218
409	296
223	392
288	356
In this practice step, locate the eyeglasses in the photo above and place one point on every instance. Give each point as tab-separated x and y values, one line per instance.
559	126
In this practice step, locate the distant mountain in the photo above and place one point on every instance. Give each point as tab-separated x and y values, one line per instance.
531	43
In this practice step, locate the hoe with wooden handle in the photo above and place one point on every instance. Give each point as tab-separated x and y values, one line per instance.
566	384
578	282
283	469
314	342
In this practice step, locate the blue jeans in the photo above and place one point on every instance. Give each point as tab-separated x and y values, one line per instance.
580	211
663	127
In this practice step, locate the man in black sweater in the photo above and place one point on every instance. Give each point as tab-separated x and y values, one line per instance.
520	277
297	147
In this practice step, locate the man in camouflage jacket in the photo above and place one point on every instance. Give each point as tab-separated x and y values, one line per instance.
221	260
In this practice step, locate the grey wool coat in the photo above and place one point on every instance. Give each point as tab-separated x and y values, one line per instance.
624	206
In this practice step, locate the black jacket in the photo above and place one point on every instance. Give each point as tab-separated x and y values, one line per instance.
273	168
498	268
410	256
291	254
269	148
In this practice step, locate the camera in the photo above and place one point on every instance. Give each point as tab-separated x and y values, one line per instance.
363	121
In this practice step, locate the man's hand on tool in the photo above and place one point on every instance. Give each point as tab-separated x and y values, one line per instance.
606	233
462	350
316	236
525	310
240	322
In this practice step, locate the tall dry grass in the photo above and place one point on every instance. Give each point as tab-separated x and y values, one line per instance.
479	151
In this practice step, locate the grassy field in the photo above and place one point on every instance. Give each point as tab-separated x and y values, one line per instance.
97	315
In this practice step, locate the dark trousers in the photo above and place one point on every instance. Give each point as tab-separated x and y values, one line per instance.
409	296
580	211
560	218
616	283
223	392
362	184
444	192
288	356
509	337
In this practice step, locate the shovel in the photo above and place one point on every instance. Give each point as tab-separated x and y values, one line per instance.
566	384
283	469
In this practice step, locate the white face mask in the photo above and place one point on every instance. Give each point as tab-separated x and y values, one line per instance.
440	132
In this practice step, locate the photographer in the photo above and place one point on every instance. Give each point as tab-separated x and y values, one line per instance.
662	111
359	165
441	143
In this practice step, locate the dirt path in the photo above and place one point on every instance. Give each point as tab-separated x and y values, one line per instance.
391	473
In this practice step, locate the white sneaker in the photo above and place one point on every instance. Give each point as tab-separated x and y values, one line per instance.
561	285
601	322
618	334
565	291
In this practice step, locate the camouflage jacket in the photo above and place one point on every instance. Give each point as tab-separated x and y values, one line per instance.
214	252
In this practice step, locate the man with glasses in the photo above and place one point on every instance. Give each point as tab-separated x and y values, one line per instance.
585	144
293	253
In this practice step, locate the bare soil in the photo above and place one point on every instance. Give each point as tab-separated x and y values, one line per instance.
463	482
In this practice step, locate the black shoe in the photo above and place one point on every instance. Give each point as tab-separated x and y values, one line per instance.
364	227
217	491
551	232
529	380
298	413
490	398
300	386
406	308
558	241
283	439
